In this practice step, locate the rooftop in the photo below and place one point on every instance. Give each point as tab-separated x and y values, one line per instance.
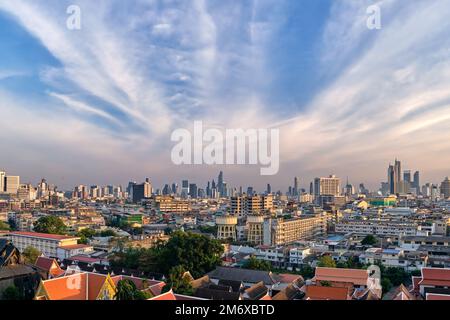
41	235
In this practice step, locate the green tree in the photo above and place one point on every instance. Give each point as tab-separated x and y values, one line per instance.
255	264
196	253
50	224
386	285
85	235
327	262
107	233
4	226
396	276
369	240
306	271
127	290
31	254
177	282
12	293
193	252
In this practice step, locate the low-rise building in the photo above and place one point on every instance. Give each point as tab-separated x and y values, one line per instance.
47	244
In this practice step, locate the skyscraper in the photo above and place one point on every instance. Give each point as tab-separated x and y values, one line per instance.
193	192
184	188
416	181
445	188
296	191
2	181
327	186
12	184
394	177
407	176
141	191
220	184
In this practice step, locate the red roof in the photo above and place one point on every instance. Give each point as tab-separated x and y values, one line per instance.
354	276
327	293
50	266
435	296
41	235
85	259
165	296
435	277
288	278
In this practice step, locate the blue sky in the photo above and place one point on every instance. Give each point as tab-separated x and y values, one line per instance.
98	105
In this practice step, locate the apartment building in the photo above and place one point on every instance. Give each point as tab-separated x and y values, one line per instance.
248	205
377	227
284	231
48	244
168	204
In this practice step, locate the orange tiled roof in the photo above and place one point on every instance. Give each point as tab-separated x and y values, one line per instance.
71	287
165	296
434	296
78	286
50	266
355	276
327	293
435	277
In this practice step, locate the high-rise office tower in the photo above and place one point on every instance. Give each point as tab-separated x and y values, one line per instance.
2	181
327	186
296	190
407	176
416	181
12	184
193	192
166	190
224	189
184	188
208	190
311	188
269	189
394	177
445	188
349	189
174	188
220	183
141	191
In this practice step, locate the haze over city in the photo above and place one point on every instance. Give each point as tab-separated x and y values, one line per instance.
98	105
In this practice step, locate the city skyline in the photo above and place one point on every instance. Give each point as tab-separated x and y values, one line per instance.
399	182
97	105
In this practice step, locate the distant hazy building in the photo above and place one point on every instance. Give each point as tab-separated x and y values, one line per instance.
141	191
12	184
416	182
327	186
445	188
184	188
193	191
2	181
394	177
